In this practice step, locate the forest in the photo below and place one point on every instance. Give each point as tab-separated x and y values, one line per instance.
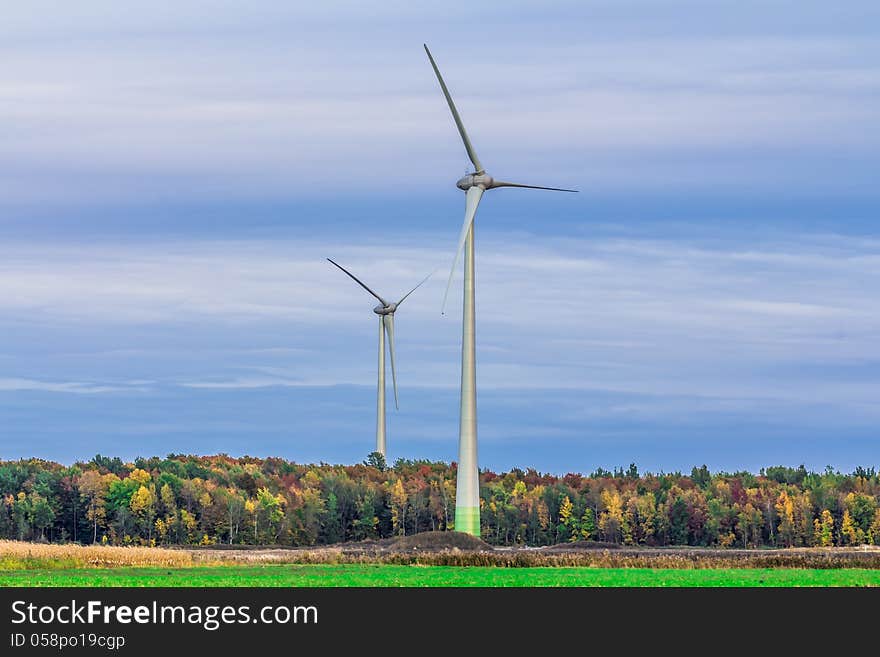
211	500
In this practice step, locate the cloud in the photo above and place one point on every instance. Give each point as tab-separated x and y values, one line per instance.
795	320
264	102
243	383
75	387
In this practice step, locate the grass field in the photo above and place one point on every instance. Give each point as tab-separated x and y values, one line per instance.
392	575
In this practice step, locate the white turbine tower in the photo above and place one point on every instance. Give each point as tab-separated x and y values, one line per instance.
467	489
386	325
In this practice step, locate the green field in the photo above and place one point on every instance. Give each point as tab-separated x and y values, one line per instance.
392	575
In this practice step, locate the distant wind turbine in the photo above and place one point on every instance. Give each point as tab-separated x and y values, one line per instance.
467	490
386	325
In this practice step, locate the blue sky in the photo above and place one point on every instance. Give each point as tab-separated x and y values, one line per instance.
172	176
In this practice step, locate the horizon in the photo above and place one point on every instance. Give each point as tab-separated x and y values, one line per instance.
615	472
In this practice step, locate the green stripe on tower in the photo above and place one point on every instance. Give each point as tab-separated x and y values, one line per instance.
467	520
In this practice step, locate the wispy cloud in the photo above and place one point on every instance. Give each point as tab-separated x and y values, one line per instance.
75	387
244	383
638	315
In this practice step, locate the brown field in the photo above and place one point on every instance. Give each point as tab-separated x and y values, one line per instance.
16	555
436	549
452	549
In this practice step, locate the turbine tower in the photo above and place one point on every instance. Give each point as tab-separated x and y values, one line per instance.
467	486
386	325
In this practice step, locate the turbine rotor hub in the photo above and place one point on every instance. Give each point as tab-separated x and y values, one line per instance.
385	310
483	180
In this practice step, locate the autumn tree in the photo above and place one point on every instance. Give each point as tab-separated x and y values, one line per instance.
823	533
399	500
143	506
566	521
611	521
271	508
93	489
861	508
850	532
785	509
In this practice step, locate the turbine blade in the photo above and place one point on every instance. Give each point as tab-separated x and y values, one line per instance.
389	329
472	200
501	183
472	154
415	288
359	282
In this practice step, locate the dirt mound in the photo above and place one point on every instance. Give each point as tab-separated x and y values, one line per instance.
437	541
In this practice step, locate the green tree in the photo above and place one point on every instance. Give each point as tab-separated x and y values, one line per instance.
678	517
271	508
376	460
861	509
42	514
587	528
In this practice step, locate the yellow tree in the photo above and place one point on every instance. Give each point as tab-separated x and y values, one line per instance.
398	507
748	524
611	520
823	529
786	528
93	491
251	507
171	520
850	534
312	509
140	476
166	495
641	515
565	510
190	524
272	509
143	506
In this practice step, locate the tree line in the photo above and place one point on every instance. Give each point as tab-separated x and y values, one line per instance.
208	500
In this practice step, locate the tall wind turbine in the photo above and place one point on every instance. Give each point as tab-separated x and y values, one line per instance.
467	488
386	325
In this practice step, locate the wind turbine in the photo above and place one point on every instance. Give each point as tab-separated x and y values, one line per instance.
467	487
386	325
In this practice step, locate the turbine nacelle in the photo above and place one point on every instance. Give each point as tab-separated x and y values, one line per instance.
483	180
385	310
